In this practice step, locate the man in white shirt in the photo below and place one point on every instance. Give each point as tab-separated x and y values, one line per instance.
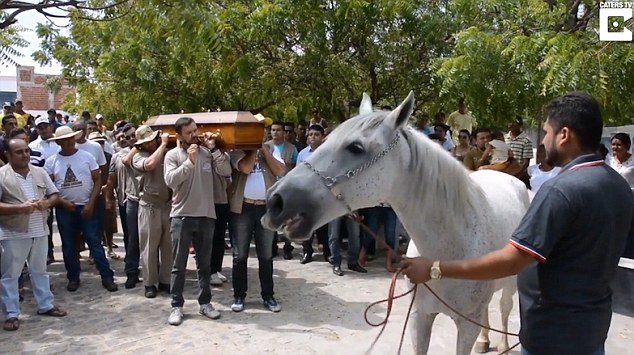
255	172
27	193
48	147
42	143
316	135
77	177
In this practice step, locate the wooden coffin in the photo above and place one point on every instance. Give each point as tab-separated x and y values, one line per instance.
238	129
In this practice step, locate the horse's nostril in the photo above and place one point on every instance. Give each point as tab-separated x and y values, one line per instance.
275	205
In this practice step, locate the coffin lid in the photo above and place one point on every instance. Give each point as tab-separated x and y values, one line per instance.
228	117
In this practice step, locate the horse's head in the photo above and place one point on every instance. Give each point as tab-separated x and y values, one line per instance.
354	168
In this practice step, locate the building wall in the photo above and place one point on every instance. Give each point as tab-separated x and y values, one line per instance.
31	89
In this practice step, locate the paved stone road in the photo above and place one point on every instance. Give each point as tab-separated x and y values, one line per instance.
321	314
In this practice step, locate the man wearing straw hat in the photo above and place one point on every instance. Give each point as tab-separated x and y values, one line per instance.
76	175
154	210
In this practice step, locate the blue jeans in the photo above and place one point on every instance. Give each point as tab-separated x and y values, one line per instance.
600	351
124	222
377	216
132	251
354	241
199	231
15	252
71	223
247	226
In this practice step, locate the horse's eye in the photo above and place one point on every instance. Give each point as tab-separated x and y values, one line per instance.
355	148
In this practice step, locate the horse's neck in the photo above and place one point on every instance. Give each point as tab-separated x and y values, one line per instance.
439	207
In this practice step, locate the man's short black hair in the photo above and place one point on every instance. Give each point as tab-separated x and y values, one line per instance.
182	122
6	118
85	115
291	124
443	126
481	130
51	111
18	131
317	128
277	123
128	126
580	112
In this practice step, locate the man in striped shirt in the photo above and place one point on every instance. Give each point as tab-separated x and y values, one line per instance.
26	195
521	146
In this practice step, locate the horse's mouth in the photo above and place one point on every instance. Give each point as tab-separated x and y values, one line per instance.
296	227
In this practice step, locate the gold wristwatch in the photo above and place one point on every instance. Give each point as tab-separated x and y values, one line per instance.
434	271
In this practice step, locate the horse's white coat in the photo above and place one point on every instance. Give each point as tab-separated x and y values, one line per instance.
447	212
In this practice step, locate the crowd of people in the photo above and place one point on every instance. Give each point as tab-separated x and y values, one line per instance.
188	199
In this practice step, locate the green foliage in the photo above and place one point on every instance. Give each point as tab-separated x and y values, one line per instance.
525	53
286	57
10	43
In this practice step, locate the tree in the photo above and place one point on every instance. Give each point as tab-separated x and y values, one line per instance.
10	39
512	57
284	56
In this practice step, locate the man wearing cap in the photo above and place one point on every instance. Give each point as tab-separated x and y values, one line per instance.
93	126
7	108
122	178
189	173
48	147
77	177
154	210
26	193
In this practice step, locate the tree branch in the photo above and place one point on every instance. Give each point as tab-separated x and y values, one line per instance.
41	7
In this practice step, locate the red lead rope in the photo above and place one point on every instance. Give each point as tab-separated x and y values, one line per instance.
390	300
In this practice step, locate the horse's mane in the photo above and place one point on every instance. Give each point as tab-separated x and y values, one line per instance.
446	180
443	182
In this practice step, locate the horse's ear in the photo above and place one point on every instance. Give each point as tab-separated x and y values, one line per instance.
366	105
400	115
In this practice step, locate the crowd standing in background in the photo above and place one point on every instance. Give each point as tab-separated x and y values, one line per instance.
199	199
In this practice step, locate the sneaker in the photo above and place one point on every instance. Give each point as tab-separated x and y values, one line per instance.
215	280
72	286
238	304
209	311
150	291
131	282
222	277
109	285
272	305
176	316
164	287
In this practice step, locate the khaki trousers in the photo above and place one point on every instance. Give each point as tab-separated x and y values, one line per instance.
155	243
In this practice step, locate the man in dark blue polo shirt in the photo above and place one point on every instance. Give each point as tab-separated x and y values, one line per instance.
575	229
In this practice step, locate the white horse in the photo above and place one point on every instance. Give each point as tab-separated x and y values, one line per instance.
376	158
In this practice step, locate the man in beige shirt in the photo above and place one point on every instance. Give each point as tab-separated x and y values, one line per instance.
459	120
154	208
189	173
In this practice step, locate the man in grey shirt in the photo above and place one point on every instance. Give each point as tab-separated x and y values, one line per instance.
189	173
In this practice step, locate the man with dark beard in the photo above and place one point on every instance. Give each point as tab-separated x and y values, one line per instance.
577	247
189	173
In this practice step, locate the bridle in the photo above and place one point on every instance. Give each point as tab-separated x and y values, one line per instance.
331	182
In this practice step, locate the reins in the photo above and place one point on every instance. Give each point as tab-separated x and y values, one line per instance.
391	297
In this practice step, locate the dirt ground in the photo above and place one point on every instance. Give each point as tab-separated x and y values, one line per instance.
322	313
